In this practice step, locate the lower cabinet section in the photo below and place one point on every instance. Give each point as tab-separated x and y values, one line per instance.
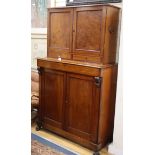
77	107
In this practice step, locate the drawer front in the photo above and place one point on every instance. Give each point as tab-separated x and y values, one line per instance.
79	69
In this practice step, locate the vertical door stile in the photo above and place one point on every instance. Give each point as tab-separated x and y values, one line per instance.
103	27
74	30
72	33
64	103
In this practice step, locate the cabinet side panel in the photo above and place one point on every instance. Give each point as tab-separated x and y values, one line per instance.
111	35
107	105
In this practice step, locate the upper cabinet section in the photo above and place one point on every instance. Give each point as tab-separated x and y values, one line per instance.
85	33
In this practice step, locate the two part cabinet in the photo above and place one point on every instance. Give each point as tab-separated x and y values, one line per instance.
78	77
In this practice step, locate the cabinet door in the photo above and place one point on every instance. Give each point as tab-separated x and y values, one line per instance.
89	23
82	106
60	32
53	98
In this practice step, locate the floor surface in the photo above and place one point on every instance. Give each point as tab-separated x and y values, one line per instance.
66	143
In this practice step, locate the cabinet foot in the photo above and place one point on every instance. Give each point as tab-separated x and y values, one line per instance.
39	125
96	153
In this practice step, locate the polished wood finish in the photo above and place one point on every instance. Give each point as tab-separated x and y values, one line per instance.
78	78
60	33
111	36
86	33
54	95
82	106
86	104
72	66
107	105
89	33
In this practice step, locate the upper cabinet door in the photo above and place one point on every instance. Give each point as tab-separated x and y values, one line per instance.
60	32
82	106
88	33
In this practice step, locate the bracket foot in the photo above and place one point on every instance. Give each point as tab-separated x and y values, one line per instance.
39	125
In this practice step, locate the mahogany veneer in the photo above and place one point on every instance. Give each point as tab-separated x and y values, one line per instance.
85	33
78	78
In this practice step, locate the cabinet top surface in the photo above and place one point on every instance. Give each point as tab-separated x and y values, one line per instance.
77	6
80	63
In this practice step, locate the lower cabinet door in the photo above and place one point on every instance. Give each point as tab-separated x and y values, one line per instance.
82	106
53	97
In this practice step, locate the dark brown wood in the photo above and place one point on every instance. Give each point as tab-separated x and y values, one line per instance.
107	105
54	97
89	23
82	141
86	105
82	106
78	90
111	35
74	68
60	33
41	78
86	33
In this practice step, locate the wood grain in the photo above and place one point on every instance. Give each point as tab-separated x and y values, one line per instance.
60	33
78	91
82	106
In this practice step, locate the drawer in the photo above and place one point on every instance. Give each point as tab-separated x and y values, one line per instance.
69	67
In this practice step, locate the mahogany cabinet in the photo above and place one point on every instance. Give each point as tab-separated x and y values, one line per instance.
77	87
77	100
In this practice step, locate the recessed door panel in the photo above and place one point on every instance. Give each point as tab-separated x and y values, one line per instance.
54	84
60	32
82	106
88	30
89	24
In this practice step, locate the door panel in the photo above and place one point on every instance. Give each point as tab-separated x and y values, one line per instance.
60	33
54	84
86	29
82	106
89	23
